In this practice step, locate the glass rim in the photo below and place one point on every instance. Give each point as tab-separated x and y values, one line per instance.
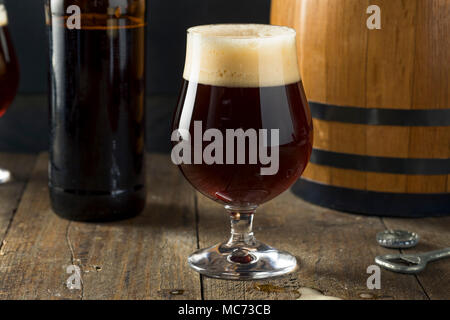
290	31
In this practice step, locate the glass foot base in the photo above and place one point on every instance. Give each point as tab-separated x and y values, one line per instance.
5	176
242	261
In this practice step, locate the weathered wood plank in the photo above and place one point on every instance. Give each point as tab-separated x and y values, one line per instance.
435	234
142	258
35	255
145	258
334	250
20	166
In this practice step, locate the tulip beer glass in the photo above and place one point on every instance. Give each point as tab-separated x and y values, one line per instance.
242	136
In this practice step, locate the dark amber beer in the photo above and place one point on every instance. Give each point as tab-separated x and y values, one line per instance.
248	81
283	107
9	68
97	104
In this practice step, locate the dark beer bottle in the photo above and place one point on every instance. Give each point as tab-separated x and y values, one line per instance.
97	108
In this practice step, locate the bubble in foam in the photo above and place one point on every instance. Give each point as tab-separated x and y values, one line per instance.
241	55
3	16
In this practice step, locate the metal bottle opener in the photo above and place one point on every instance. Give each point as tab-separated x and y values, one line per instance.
410	263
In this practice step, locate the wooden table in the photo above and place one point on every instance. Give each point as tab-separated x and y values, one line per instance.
145	258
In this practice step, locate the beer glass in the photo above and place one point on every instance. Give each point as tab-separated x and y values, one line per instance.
9	73
242	135
97	108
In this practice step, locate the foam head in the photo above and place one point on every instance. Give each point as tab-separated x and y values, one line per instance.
241	55
3	16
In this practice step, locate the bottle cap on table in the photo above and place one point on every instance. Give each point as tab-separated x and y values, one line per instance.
397	239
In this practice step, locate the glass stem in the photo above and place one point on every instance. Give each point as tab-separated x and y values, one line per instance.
241	228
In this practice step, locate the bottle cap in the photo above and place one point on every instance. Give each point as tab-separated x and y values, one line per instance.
397	239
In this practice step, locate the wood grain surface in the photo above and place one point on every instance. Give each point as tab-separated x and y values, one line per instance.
145	257
10	193
142	258
334	250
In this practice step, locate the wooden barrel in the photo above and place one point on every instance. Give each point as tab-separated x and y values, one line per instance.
380	103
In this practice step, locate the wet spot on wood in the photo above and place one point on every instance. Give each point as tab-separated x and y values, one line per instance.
268	288
177	292
366	296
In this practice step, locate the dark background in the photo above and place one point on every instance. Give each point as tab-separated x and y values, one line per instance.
24	126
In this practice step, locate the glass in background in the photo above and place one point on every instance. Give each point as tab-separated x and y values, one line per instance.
9	73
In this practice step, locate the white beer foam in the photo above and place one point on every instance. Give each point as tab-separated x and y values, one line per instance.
3	16
241	55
